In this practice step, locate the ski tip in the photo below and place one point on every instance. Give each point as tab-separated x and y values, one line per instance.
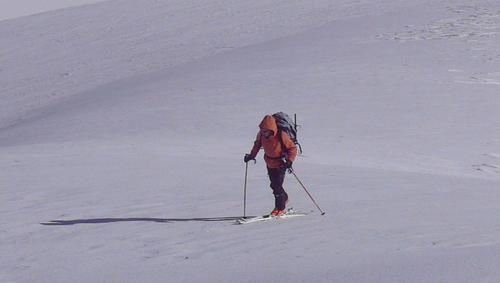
323	213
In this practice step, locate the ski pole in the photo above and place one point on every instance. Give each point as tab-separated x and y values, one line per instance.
245	192
298	180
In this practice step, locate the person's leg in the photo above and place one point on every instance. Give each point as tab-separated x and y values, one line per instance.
277	177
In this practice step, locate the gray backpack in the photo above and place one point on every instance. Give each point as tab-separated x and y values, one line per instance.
286	124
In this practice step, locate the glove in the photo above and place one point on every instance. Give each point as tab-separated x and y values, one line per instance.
248	157
288	165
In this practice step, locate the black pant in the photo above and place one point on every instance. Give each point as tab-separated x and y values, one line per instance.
277	177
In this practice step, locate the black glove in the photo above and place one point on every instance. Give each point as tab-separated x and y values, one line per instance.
288	165
248	157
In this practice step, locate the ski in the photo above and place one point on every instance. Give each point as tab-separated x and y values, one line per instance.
289	214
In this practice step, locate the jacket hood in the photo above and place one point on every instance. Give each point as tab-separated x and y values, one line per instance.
269	123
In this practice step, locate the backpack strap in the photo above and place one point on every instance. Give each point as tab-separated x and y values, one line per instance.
280	138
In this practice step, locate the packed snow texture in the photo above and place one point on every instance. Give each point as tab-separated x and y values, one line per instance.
123	126
20	8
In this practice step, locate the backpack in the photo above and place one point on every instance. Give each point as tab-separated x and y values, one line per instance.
286	124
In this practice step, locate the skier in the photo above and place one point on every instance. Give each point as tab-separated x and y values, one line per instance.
279	153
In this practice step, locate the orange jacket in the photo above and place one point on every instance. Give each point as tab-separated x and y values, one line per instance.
273	149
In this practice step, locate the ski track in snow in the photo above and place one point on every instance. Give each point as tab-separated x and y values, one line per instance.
472	23
478	25
490	166
482	78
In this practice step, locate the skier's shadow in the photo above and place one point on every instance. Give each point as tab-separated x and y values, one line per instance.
137	219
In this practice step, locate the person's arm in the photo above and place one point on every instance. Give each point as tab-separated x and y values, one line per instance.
290	147
257	145
255	149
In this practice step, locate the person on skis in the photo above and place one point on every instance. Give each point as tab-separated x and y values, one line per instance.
279	154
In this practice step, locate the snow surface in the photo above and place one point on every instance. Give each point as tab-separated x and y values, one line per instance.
123	126
14	9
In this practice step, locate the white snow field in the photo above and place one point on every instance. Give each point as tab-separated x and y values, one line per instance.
123	126
10	9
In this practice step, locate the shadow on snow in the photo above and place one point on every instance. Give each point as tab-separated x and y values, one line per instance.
158	220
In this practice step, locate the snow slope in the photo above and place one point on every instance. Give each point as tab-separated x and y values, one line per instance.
124	126
78	49
20	8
